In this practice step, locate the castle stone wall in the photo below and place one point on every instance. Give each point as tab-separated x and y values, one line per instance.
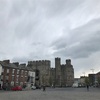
61	75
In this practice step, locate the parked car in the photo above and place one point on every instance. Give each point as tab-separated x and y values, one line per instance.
33	87
38	87
17	88
75	85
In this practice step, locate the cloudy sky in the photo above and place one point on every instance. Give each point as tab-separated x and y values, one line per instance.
45	29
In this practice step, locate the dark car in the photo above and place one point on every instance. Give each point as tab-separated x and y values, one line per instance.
38	87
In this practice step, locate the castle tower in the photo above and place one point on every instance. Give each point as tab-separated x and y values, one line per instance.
58	71
68	62
69	72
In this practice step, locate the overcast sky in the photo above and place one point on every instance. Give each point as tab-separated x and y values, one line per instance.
45	29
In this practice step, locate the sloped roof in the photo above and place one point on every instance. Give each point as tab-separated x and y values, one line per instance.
4	64
12	65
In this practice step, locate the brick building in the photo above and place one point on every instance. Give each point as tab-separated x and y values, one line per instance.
12	74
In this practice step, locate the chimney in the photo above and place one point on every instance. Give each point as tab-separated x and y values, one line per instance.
24	65
16	63
6	61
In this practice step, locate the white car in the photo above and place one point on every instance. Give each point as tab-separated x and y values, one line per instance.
33	87
75	85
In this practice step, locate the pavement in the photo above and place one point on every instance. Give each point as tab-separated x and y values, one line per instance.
53	94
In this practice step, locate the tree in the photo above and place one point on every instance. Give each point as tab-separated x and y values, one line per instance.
87	81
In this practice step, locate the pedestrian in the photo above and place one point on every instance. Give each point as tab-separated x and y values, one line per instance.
87	87
44	88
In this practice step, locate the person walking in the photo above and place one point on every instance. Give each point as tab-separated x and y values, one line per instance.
87	87
44	88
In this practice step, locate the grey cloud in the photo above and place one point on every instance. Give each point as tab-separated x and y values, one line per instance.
57	7
20	59
22	7
24	29
28	27
30	57
36	43
21	18
79	46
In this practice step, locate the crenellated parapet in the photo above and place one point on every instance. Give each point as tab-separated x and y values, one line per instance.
42	65
57	62
39	62
68	61
30	62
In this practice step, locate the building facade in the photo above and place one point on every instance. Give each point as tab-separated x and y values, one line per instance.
13	74
37	73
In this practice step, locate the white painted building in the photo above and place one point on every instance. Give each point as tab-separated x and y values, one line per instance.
31	78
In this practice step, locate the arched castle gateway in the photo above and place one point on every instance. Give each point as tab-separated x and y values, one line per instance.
61	75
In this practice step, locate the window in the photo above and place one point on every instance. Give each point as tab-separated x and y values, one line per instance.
31	79
1	76
12	83
21	71
32	74
7	70
25	72
2	73
12	78
21	83
17	79
17	71
16	83
2	69
7	77
17	76
13	70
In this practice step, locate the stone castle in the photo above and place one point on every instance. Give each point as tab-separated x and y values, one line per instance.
61	75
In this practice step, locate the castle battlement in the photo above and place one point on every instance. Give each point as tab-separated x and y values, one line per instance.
40	63
68	61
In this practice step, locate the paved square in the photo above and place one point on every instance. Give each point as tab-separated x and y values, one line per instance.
53	94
